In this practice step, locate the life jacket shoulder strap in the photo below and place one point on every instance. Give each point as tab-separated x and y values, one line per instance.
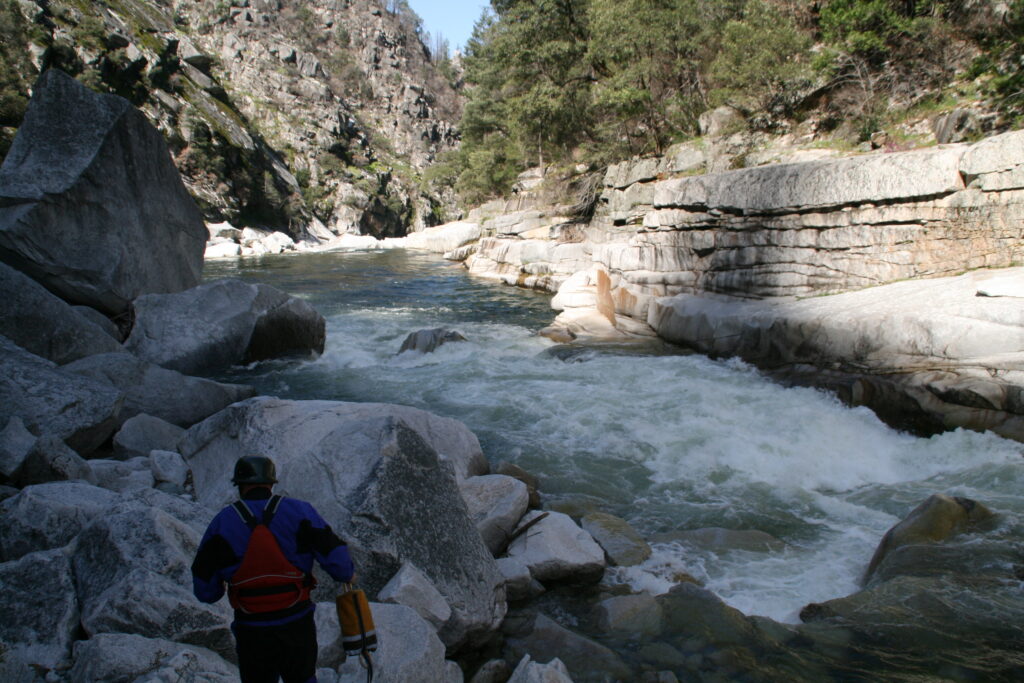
245	513
271	509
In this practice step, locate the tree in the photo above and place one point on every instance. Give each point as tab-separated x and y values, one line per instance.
651	56
762	56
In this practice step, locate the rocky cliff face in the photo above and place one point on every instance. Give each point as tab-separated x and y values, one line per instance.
315	116
735	263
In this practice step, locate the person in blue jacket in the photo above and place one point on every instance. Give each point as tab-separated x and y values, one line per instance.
275	634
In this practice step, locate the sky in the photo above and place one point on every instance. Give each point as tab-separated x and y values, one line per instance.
454	19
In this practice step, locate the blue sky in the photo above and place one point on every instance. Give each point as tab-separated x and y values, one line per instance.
454	19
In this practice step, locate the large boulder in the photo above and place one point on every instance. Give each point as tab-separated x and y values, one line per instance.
378	474
93	208
496	503
153	390
43	324
48	516
555	548
39	607
938	518
79	410
221	323
132	570
130	657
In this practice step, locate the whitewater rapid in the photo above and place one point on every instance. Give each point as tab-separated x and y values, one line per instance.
666	441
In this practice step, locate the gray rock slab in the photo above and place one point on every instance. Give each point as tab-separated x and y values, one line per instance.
93	206
820	184
556	549
50	459
496	503
132	571
131	657
620	541
221	323
79	410
153	390
994	154
47	516
123	476
15	443
43	324
330	652
144	433
411	587
39	607
528	671
408	649
376	474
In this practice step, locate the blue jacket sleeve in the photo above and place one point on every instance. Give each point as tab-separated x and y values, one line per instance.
215	561
329	550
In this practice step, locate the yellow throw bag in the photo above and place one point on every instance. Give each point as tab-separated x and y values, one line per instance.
358	635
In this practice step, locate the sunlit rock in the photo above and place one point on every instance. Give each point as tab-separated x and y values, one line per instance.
555	548
496	503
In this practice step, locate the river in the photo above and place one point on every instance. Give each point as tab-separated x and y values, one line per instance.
664	439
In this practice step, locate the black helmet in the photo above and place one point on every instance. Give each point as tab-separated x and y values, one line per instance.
254	469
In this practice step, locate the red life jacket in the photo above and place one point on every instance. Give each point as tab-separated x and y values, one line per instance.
266	581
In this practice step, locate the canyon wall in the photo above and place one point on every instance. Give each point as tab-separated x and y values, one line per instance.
799	268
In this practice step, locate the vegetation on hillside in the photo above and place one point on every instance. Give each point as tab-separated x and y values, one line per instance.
597	80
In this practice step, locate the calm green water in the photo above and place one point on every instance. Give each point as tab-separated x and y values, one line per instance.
667	441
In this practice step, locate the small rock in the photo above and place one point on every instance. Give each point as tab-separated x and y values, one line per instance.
534	672
519	583
496	503
428	340
15	444
532	483
168	467
621	543
544	640
492	671
630	615
144	433
52	460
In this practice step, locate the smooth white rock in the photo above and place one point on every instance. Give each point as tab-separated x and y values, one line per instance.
557	548
144	433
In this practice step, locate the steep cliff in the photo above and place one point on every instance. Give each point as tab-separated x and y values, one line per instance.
315	117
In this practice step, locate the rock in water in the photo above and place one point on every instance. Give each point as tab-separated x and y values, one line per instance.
428	340
934	520
376	474
220	323
92	206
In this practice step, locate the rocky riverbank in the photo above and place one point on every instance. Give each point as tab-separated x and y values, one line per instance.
739	263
